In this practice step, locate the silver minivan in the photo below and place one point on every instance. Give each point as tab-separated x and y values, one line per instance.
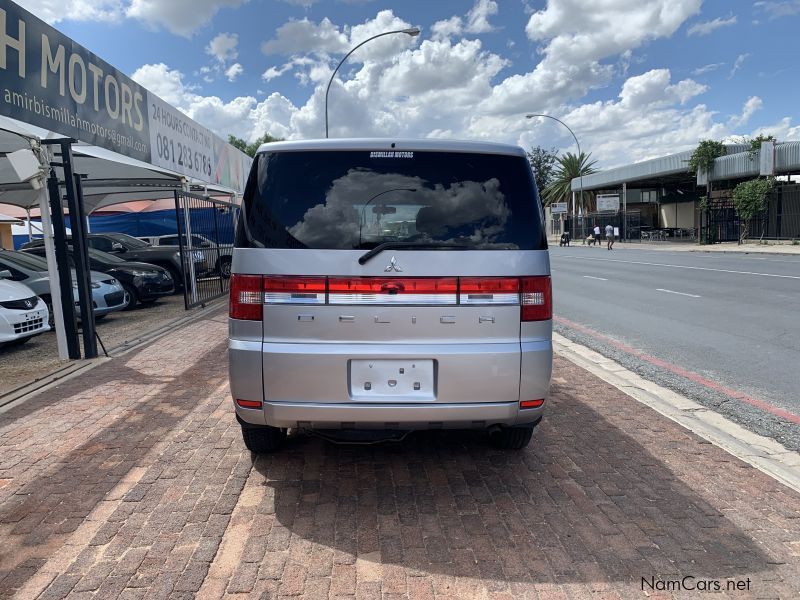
390	285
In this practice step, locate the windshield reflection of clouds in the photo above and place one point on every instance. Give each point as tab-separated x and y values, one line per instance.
465	211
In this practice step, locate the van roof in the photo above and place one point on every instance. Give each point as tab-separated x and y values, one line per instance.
393	144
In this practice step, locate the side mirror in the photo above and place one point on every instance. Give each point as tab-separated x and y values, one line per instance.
117	247
205	244
5	274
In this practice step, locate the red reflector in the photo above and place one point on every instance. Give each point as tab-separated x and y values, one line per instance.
393	285
246	298
537	302
248	403
489	285
531	403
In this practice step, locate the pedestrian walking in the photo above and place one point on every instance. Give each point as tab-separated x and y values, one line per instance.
597	238
610	236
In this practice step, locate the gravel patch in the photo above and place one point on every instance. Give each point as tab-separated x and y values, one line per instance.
38	357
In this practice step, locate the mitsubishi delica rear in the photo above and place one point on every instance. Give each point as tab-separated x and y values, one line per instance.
390	285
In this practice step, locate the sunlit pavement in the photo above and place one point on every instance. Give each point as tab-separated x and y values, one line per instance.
132	482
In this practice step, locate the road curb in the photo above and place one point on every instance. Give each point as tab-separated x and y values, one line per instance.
763	453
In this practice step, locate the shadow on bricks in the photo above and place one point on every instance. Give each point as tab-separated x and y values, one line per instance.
42	513
585	503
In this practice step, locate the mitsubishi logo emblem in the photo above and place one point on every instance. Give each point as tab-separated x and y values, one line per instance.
392	266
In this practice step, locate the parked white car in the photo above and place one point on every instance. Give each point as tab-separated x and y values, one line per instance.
22	313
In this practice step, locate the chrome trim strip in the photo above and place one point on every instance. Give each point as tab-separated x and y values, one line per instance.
505	298
393	299
293	298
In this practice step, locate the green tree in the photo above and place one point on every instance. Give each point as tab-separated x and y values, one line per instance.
543	163
755	144
703	157
750	201
251	149
570	166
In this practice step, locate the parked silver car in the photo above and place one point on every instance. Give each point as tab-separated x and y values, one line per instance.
390	284
107	293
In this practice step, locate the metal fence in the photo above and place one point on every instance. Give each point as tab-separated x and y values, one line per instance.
206	228
781	221
628	224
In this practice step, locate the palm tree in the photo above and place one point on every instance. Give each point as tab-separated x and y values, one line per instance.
569	167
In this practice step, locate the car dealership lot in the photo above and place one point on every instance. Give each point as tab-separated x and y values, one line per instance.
39	356
141	487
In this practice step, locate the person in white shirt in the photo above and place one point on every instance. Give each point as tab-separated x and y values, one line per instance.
597	237
610	236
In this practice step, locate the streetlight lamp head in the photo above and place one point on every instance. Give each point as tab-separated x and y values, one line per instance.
413	31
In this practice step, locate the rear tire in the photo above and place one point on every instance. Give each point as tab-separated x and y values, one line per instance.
511	438
263	440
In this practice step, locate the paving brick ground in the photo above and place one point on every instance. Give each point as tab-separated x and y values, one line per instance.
132	482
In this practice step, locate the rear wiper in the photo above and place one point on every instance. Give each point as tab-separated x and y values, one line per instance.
415	245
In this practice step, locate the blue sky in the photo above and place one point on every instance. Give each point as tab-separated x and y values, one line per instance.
633	78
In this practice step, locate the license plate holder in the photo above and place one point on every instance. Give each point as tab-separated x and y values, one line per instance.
392	380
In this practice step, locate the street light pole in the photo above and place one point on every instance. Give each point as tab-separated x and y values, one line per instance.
574	137
412	31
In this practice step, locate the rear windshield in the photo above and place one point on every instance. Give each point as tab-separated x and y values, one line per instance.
349	200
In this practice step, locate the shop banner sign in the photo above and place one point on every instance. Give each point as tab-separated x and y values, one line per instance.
51	82
558	208
48	80
607	203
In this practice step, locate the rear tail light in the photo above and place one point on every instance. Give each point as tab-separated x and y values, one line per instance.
246	297
536	299
384	290
294	290
488	290
249	293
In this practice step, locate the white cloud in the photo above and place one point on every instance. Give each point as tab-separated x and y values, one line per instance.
478	17
53	11
447	28
223	47
234	71
575	41
451	86
752	105
163	82
707	27
738	64
182	17
777	9
305	36
707	68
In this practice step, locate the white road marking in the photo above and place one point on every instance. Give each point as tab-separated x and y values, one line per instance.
679	293
598	278
649	264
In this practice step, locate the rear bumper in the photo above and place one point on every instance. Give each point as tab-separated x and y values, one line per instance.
389	416
314	393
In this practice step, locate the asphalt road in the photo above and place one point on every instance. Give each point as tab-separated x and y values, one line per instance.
723	329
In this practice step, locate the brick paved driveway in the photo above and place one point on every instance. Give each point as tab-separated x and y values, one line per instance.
133	482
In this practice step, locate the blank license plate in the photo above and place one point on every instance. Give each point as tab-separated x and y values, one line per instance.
392	380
